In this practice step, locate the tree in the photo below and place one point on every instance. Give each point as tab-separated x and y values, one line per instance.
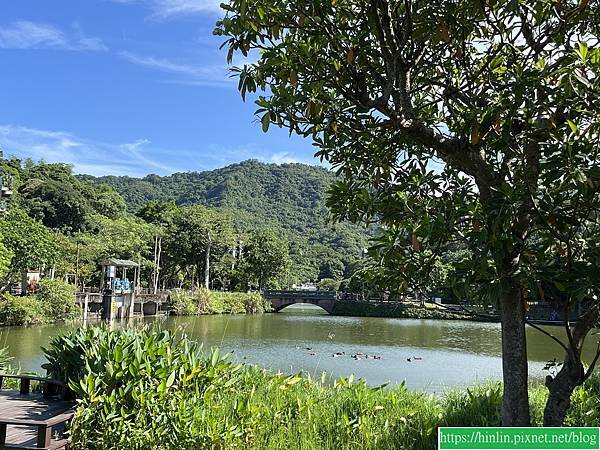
5	258
198	236
160	213
266	257
451	120
28	242
53	195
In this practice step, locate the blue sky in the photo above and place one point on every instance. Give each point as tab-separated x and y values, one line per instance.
126	87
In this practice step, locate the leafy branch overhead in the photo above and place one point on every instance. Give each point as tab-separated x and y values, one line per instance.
471	123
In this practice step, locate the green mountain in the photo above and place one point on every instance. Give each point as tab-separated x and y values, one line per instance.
289	198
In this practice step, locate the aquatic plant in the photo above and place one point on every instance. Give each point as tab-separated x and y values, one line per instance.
149	389
5	359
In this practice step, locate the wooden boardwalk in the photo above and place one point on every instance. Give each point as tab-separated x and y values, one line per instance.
32	420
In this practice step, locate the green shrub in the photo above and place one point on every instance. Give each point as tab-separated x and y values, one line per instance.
20	310
255	303
479	406
66	354
182	303
329	284
203	301
58	300
585	405
139	388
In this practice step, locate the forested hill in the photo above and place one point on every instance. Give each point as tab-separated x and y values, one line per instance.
288	197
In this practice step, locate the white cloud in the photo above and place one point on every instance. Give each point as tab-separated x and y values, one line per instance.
211	74
31	35
135	159
87	156
168	8
224	155
283	158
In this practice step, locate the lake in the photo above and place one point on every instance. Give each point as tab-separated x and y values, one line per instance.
428	355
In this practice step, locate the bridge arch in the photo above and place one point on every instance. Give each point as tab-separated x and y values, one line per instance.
286	305
283	299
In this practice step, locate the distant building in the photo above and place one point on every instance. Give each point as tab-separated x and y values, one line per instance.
304	287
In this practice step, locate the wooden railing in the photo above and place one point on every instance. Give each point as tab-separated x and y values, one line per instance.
31	418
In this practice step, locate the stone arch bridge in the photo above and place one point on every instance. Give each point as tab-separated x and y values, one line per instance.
283	299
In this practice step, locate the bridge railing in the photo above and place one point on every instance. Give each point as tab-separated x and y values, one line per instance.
299	295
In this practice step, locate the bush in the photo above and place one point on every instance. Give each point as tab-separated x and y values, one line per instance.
58	300
141	388
255	303
182	303
585	405
203	301
20	310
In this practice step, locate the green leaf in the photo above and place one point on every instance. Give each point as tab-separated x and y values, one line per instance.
583	50
215	357
171	379
266	121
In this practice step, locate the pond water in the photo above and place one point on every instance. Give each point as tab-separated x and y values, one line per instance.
303	338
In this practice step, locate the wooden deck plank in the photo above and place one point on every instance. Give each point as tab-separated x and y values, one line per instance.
18	410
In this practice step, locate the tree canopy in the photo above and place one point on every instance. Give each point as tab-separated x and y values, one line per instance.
471	121
287	198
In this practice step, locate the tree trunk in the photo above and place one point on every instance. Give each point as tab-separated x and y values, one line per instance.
515	402
572	372
561	387
207	263
157	263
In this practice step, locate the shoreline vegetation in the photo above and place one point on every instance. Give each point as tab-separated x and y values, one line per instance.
203	301
145	388
54	303
404	311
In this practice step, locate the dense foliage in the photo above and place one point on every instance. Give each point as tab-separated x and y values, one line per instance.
247	226
287	198
54	301
469	121
147	389
203	301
